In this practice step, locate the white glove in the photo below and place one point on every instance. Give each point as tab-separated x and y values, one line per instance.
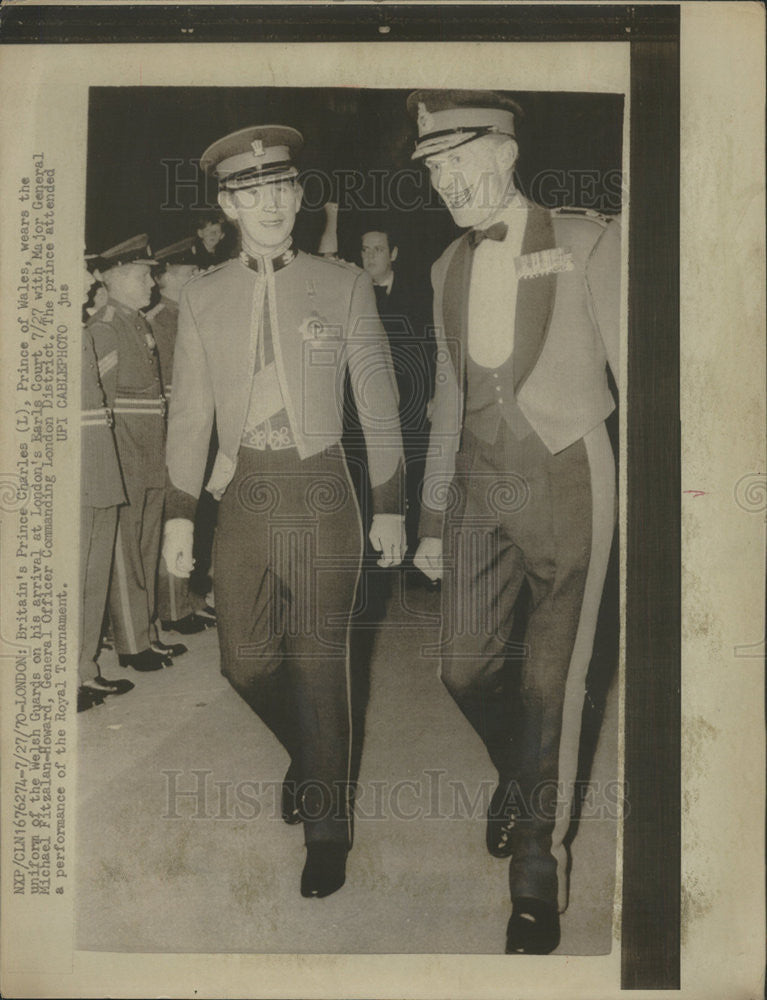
428	558
387	536
177	546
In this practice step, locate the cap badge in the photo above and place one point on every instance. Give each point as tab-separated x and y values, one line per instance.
425	119
258	147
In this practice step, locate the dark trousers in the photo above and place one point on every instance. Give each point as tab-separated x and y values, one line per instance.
523	513
97	542
287	553
132	590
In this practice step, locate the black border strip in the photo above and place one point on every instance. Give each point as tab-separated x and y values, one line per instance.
650	932
332	22
650	940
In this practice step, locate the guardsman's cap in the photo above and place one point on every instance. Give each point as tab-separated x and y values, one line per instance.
177	253
450	118
259	154
136	250
92	261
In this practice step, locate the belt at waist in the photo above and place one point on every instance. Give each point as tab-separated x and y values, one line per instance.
93	418
128	404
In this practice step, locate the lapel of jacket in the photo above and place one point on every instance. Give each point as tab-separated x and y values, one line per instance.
455	305
535	297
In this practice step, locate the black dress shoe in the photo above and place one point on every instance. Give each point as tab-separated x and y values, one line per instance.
500	822
190	625
533	927
325	869
103	686
291	812
172	649
87	698
145	661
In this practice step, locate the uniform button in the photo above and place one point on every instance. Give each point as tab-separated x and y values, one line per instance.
495	374
497	388
500	399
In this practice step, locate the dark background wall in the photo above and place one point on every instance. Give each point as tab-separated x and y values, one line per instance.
357	151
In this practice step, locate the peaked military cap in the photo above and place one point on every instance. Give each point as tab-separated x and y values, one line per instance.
177	253
92	261
450	118
259	154
136	250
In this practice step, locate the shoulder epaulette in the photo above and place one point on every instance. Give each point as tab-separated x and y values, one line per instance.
340	262
209	270
569	212
105	315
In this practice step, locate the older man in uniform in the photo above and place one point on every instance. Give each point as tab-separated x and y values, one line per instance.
124	343
263	344
520	476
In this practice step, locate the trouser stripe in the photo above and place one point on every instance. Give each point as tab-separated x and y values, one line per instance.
123	593
602	471
349	706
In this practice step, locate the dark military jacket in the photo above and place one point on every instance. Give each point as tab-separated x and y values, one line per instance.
124	342
163	320
100	477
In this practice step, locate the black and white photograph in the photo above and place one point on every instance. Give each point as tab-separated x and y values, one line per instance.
403	523
368	537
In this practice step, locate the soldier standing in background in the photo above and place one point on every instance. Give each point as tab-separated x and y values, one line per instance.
126	350
101	494
177	604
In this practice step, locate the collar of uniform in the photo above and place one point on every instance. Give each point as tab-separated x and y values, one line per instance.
125	310
276	263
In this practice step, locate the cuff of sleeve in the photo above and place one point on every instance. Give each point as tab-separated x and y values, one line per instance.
178	503
430	523
389	497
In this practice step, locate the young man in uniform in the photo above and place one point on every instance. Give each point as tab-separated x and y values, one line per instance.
520	476
123	341
263	345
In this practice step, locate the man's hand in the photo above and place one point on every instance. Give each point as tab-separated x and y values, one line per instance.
177	546
428	558
387	536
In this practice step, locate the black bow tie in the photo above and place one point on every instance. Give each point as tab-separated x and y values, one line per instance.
495	232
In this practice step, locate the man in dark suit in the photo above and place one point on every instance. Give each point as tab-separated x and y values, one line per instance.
520	479
404	312
263	345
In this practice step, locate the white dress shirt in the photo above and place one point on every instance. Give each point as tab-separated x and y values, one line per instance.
493	290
